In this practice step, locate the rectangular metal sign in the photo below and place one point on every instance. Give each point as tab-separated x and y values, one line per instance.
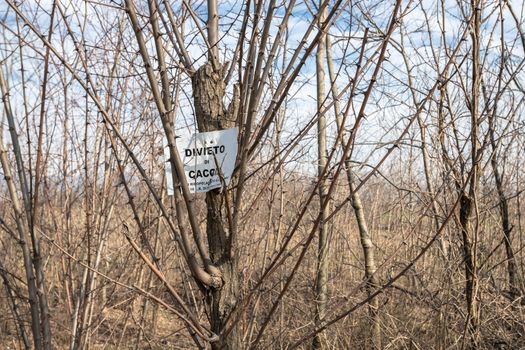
208	159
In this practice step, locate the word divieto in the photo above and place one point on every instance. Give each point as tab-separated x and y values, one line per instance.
204	151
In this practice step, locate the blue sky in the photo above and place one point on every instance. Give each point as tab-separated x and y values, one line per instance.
390	103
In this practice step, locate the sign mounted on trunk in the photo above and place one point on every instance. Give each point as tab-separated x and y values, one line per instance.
208	159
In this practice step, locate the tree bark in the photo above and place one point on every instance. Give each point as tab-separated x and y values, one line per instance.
372	282
321	287
34	271
208	93
468	200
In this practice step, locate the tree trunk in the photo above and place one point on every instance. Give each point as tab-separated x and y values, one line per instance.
471	280
468	200
32	264
208	93
372	282
513	280
321	287
513	277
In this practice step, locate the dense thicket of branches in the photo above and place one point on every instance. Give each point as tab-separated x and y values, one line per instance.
377	195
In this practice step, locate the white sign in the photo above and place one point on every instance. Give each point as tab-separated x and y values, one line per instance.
208	159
